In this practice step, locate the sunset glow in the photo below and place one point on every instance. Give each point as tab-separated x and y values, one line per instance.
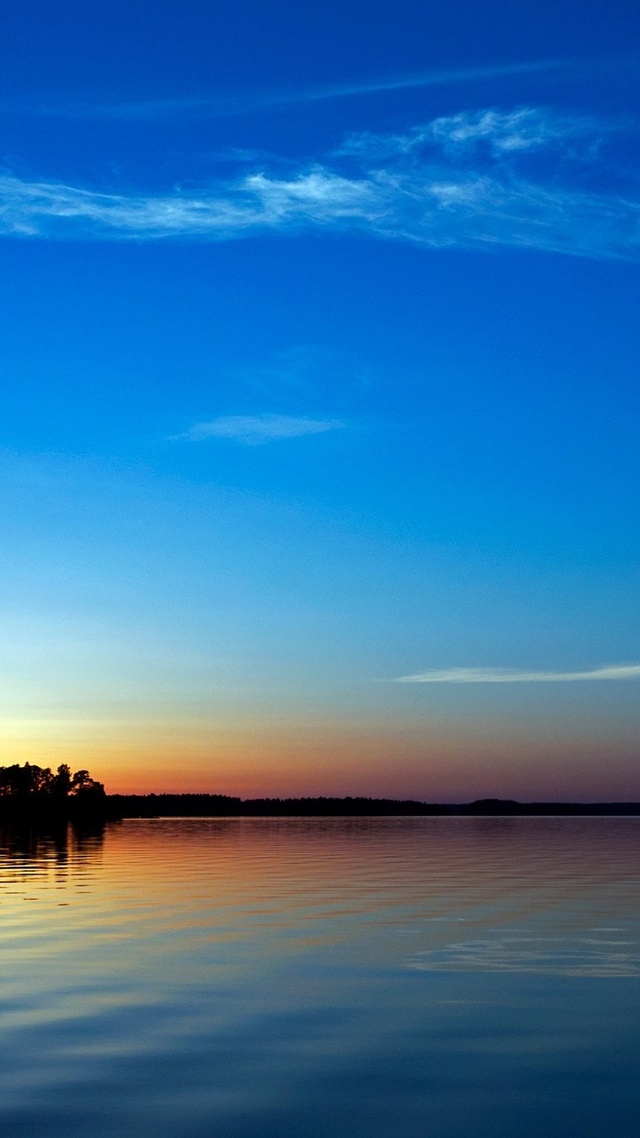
319	460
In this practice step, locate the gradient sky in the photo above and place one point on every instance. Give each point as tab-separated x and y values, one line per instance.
319	343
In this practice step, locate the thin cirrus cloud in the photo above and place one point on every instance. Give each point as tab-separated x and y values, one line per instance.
525	178
216	107
255	429
504	676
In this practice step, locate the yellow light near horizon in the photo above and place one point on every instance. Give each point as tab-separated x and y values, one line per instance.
264	757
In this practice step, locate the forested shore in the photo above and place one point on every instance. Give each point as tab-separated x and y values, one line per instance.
226	806
29	791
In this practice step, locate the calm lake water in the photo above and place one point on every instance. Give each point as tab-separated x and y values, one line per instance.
305	978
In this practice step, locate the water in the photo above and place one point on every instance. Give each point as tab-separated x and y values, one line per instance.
233	978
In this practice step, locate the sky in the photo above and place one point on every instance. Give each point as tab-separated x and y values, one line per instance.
319	403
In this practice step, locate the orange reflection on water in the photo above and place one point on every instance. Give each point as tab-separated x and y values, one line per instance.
178	969
224	879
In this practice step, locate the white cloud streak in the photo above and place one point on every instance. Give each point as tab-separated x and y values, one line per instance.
435	79
504	676
255	429
478	180
216	107
251	204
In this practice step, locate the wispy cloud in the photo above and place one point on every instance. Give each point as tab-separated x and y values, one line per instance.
256	429
523	178
504	676
253	203
506	132
442	78
243	103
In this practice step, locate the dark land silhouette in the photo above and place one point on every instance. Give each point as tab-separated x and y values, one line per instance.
37	794
33	793
222	805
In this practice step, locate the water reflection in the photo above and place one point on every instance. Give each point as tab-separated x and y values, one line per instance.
241	977
594	955
37	845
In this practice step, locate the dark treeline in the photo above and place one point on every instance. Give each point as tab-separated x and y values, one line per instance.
222	805
37	793
34	792
226	806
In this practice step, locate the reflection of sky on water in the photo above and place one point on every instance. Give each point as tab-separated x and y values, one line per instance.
579	956
371	977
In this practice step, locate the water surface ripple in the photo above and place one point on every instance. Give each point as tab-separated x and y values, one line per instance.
236	978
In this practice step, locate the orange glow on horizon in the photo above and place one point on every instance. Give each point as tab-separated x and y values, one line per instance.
337	759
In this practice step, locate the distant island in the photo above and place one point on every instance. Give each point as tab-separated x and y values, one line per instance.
32	793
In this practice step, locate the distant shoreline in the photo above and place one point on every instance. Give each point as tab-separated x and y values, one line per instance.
116	807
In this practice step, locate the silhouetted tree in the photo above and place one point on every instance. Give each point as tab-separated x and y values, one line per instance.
29	787
61	781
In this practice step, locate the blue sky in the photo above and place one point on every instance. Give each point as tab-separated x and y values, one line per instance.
318	469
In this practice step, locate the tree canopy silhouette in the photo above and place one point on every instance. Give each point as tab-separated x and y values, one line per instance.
33	789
